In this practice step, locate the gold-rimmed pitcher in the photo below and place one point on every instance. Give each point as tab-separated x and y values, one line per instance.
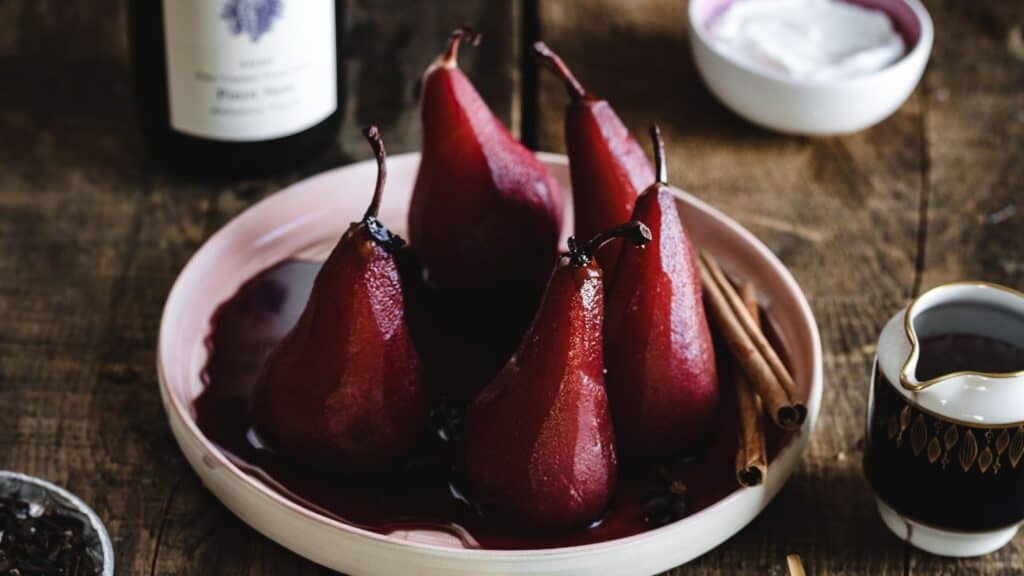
944	450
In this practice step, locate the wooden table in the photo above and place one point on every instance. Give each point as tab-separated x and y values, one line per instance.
93	233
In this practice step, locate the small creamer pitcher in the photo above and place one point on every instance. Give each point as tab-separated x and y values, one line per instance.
945	424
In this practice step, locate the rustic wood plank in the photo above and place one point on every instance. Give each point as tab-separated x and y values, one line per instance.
70	175
975	134
975	185
841	212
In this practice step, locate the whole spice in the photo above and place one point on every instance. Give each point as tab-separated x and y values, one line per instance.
38	540
796	567
666	499
762	365
751	458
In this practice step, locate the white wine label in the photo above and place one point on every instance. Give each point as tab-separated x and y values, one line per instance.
246	70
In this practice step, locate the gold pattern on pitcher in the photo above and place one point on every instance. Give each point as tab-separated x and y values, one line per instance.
934	450
986	459
1017	447
949	443
950	437
904	422
1003	442
949	440
918	435
968	450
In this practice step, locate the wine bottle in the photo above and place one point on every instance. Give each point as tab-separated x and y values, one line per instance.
237	87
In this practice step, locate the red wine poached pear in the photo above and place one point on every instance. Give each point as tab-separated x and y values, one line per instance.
423	493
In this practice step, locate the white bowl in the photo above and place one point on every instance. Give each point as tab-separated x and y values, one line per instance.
817	108
307	218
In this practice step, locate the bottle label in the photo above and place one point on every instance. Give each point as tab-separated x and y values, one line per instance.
246	70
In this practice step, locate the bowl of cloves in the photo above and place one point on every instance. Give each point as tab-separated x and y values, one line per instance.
47	531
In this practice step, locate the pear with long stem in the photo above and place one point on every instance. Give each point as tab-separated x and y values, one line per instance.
343	389
607	166
662	381
485	211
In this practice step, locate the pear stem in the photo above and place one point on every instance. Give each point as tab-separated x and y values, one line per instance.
661	169
377	143
378	231
549	57
468	33
635	231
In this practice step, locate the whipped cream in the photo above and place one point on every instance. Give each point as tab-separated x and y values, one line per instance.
808	39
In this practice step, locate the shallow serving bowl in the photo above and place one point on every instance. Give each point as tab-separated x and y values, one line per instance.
305	220
813	107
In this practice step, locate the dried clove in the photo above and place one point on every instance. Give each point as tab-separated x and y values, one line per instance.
41	541
666	499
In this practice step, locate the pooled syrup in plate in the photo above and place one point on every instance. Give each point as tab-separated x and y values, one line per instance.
423	494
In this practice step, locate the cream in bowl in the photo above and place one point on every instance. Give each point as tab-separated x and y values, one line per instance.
808	39
812	67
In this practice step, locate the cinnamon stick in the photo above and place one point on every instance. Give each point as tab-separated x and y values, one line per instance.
796	567
751	457
763	367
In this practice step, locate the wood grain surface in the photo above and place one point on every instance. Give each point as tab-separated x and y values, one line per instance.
92	235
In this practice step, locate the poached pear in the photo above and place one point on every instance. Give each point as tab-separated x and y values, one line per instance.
607	166
485	212
343	389
537	443
662	381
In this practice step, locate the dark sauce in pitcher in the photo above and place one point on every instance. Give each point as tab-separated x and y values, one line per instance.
940	472
949	353
424	493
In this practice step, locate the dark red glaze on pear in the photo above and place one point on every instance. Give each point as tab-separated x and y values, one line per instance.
538	447
343	389
607	165
662	382
485	212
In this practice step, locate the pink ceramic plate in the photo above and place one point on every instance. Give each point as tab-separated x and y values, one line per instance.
305	220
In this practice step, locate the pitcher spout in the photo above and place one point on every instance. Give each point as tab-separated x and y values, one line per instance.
968	312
